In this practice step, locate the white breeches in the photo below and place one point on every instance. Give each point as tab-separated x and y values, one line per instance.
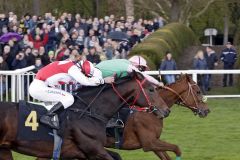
40	91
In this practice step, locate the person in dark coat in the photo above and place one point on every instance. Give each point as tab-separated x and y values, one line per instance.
211	58
8	56
168	64
200	63
3	21
3	66
228	57
20	61
93	56
38	65
31	55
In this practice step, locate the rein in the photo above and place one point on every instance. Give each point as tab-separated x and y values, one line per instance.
133	106
83	112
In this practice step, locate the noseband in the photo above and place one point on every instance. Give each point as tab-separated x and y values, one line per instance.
132	106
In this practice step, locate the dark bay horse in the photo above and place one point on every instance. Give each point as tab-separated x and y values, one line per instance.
84	131
141	124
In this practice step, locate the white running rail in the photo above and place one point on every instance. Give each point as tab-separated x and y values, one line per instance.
13	80
14	84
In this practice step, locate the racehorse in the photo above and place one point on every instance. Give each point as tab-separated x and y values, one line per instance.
84	126
140	125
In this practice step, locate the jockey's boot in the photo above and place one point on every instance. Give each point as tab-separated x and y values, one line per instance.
51	118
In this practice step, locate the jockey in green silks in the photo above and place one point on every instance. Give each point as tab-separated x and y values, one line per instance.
122	67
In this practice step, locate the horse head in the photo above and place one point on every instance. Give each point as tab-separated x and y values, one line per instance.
187	93
190	96
146	94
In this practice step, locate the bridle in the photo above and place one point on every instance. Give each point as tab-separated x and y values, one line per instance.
182	101
150	108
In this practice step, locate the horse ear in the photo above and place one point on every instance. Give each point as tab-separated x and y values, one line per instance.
188	77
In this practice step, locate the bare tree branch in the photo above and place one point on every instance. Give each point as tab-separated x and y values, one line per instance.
160	6
203	10
169	4
160	11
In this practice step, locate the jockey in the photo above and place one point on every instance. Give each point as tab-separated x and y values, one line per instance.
63	72
122	67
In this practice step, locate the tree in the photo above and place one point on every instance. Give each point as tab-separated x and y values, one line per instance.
129	7
36	7
176	10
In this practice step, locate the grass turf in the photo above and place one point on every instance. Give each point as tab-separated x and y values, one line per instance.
216	137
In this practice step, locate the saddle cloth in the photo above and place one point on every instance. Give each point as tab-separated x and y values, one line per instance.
29	127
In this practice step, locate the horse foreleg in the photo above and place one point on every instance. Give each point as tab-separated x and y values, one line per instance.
162	155
160	146
5	154
114	155
92	148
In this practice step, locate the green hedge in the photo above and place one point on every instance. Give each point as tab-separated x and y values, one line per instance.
174	37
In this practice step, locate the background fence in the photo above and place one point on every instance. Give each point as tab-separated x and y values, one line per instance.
14	84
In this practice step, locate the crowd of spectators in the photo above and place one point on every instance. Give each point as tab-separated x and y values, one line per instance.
48	38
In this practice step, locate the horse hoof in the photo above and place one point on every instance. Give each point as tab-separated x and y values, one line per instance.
178	158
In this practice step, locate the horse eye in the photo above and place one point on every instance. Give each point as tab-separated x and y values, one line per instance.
198	92
151	90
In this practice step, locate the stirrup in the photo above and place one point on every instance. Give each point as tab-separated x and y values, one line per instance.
53	122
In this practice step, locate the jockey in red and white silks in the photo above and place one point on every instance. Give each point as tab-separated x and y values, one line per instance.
63	72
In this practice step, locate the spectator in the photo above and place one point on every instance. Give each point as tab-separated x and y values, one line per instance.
211	58
168	64
108	49
43	56
60	51
51	56
66	54
20	61
8	56
135	38
3	66
200	63
228	57
38	65
3	22
81	39
74	55
51	44
93	56
37	42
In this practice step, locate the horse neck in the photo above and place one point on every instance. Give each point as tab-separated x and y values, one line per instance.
109	103
169	96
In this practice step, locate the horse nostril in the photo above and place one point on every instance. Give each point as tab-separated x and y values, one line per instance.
167	112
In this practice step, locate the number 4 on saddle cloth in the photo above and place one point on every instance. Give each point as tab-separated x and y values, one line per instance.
29	127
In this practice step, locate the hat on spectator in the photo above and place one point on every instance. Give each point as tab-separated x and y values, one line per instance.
50	53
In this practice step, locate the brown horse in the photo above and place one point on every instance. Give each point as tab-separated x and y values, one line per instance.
84	131
141	124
